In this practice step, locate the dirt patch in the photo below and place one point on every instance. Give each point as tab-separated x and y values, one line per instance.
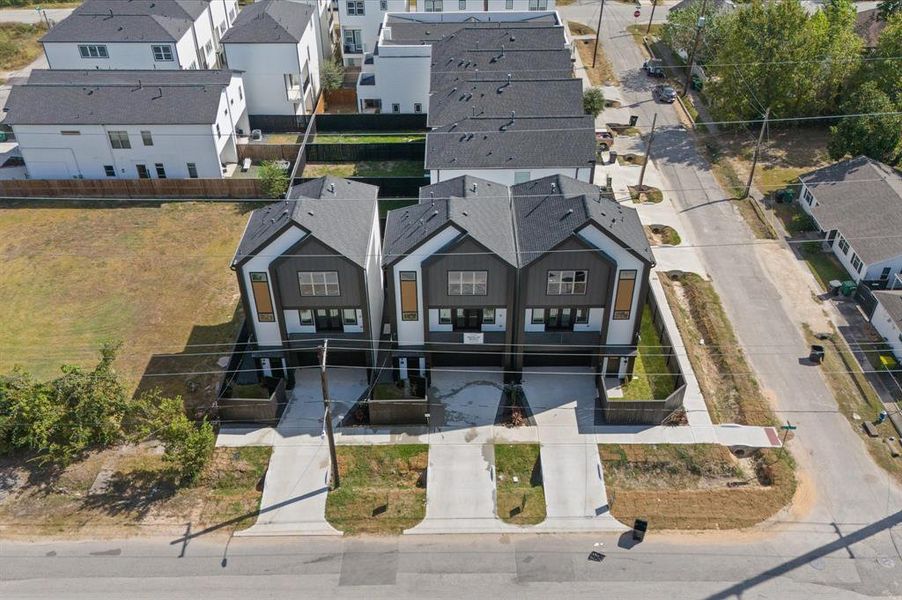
646	193
695	486
603	71
623	129
631	159
662	235
577	28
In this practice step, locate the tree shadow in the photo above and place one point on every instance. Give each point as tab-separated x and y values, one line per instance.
134	493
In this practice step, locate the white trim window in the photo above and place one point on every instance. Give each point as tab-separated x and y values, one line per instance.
538	4
468	283
319	283
433	6
93	51
356	8
566	283
119	140
856	263
162	53
843	244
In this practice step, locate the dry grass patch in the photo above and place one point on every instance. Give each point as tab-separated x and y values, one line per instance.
695	486
603	71
129	491
646	193
19	46
662	235
631	159
577	28
521	497
154	276
384	168
382	489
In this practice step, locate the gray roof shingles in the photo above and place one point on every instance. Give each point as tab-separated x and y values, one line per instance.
862	198
270	22
106	97
128	21
891	300
518	223
338	212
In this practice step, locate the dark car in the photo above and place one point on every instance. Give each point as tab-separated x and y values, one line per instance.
664	93
653	67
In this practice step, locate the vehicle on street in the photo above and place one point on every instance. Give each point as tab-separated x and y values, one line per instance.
604	139
664	93
653	67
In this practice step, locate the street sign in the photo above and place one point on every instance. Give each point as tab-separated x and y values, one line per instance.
637	13
789	426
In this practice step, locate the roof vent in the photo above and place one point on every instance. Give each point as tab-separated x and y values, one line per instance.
553	187
502	51
332	187
474	186
465	213
310	212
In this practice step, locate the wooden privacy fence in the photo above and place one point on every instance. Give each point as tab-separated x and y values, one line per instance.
131	188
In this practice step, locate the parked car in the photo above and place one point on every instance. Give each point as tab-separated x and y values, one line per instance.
604	139
653	67
664	93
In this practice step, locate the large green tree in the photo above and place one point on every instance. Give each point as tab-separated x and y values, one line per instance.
876	135
680	30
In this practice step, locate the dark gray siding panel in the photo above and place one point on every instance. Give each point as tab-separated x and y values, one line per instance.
563	258
312	255
467	256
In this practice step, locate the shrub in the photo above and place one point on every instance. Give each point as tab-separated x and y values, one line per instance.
593	102
274	180
188	446
331	75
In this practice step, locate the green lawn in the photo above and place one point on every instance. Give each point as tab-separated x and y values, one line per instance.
77	275
19	45
355	137
823	265
521	502
385	168
648	384
379	492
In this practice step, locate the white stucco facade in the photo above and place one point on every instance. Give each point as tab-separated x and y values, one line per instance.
511	176
888	329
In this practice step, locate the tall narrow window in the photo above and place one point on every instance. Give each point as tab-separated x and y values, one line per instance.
349	316
161	170
409	309
143	173
623	305
192	170
262	300
147	138
109	170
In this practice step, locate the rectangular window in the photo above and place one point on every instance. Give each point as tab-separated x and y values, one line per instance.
383	4
306	316
488	316
147	138
162	53
623	304
93	51
417	107
467	283
856	263
444	316
538	4
319	283
409	304
521	176
355	7
119	140
161	170
582	316
349	316
508	4
559	319
143	173
538	316
262	300
240	93
461	4
884	274
396	108
192	170
433	6
328	319
70	132
218	131
806	195
566	283
209	47
109	170
467	319
843	245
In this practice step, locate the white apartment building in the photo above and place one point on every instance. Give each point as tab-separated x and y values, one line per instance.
275	45
141	34
361	20
128	124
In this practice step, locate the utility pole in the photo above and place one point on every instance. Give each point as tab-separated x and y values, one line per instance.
597	34
748	185
654	4
327	404
651	136
698	36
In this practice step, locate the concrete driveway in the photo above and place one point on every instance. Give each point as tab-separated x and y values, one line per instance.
297	482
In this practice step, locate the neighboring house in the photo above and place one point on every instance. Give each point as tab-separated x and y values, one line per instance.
857	204
274	44
498	88
140	34
309	269
362	20
887	319
546	272
128	124
869	26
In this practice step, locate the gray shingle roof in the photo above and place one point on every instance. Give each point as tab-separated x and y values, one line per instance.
891	300
522	142
270	22
862	198
414	29
538	222
108	97
338	212
128	21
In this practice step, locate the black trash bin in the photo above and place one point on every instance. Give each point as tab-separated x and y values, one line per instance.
817	354
639	529
633	120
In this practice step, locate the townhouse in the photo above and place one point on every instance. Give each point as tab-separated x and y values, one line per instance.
544	272
275	45
107	124
140	34
857	206
309	268
361	20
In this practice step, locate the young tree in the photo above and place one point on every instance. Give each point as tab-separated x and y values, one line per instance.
877	136
188	446
331	75
28	416
593	101
274	179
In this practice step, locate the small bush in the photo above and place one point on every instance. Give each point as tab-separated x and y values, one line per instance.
593	102
274	180
188	446
331	75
